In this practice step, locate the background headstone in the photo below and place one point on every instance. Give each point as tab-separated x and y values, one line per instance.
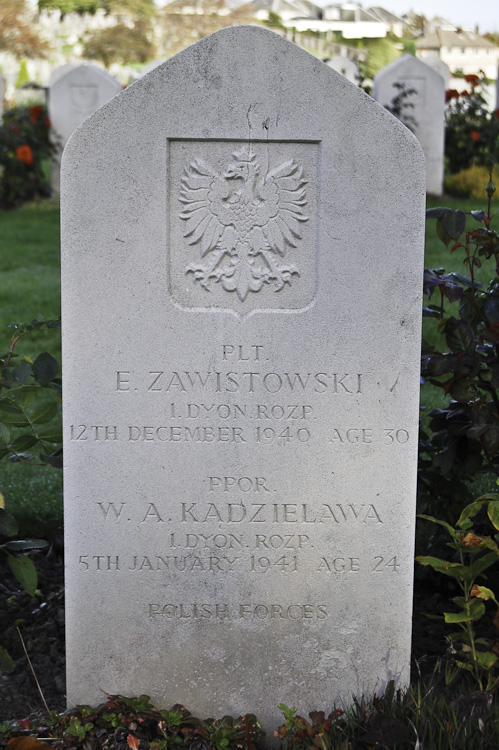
435	62
75	93
241	378
346	67
428	109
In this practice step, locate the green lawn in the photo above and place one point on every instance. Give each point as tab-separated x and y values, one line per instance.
29	267
30	279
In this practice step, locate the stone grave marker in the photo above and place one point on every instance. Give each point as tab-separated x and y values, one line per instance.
241	374
75	93
346	67
435	62
428	102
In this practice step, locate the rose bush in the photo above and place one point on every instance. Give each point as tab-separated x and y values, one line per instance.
25	145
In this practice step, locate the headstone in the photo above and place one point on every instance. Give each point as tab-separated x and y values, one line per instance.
241	375
75	93
427	110
346	67
436	62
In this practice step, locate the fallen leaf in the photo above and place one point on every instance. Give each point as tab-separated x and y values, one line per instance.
25	743
132	742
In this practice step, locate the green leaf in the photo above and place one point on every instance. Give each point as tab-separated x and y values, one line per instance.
453	570
51	435
469	512
27	396
454	223
441	233
8	406
486	659
459	335
483	593
22	372
454	534
8	524
6	663
44	413
19	545
482	563
54	459
476	609
45	368
437	213
4	433
24	572
493	513
24	443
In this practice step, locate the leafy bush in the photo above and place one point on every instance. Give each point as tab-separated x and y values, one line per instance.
423	717
468	183
30	397
473	555
24	145
462	441
133	724
471	131
122	44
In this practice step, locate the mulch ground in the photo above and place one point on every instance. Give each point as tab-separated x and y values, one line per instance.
41	623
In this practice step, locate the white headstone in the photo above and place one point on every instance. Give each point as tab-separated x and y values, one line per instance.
346	67
435	62
75	93
241	376
428	102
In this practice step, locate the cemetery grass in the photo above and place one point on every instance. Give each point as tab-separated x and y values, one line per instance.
30	273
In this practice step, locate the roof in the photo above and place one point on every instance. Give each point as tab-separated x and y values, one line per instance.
299	7
349	12
385	16
457	38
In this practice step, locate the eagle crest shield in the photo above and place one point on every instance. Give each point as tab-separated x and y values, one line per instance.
243	220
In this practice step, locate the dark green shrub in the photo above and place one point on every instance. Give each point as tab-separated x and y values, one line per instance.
468	183
462	440
24	145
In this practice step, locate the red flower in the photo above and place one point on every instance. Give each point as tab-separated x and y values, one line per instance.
475	136
497	113
35	113
15	129
451	94
25	154
473	79
47	121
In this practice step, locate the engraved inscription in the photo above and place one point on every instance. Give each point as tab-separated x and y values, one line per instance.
243	219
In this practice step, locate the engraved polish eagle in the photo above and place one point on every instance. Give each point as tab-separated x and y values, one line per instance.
243	221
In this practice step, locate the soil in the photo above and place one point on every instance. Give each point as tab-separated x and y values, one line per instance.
41	623
40	620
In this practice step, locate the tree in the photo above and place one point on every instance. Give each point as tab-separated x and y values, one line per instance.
70	6
184	24
121	43
381	52
16	33
118	8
